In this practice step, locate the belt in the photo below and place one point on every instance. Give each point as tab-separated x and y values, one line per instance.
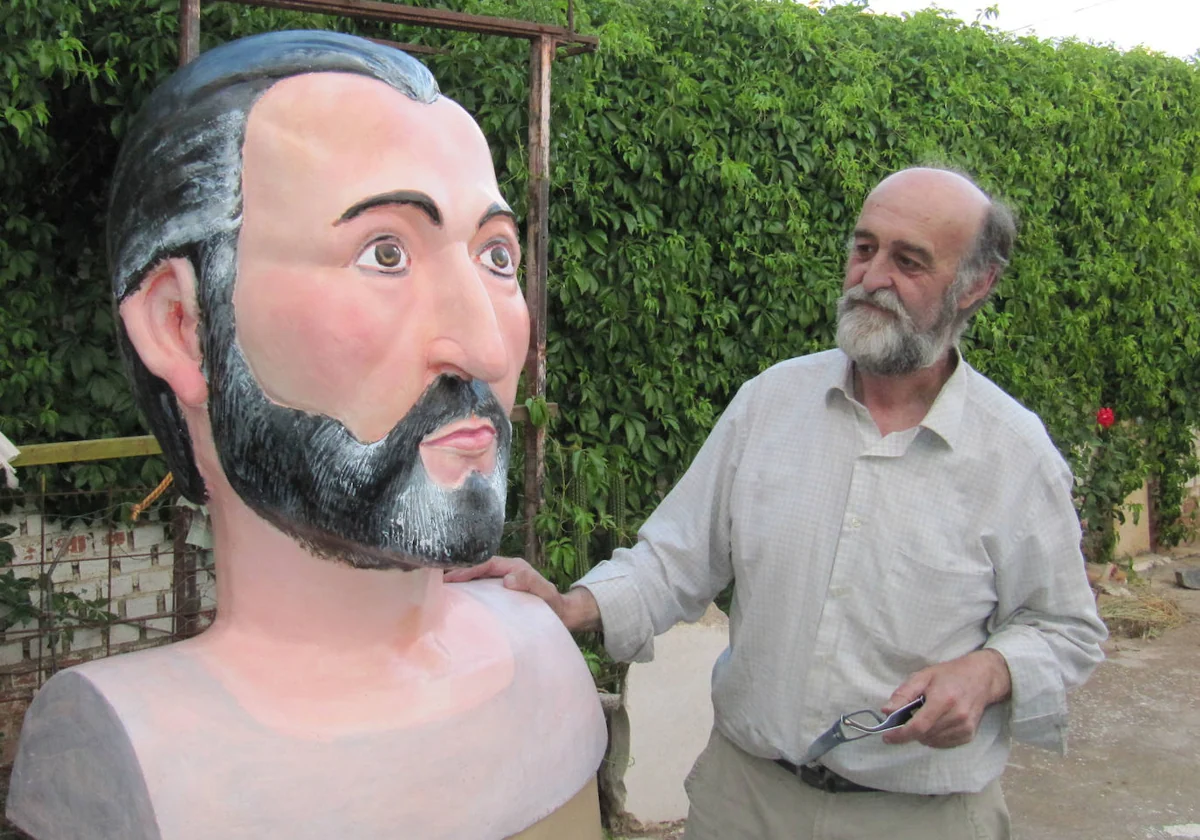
822	778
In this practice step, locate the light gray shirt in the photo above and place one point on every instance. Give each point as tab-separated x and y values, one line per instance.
860	559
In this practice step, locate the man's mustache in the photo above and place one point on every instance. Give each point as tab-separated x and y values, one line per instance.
885	299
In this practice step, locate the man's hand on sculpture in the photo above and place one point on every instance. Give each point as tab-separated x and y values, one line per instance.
577	609
956	694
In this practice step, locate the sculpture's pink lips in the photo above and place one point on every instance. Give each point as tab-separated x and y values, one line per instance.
471	436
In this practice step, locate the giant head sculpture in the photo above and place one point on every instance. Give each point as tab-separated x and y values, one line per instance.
346	322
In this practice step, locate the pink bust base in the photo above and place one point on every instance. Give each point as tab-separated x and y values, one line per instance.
205	762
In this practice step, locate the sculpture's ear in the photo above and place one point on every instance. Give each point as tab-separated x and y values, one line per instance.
162	320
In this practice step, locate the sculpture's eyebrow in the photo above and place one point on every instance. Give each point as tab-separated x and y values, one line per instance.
416	199
494	211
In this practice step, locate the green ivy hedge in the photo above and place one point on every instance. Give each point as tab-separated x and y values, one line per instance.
708	163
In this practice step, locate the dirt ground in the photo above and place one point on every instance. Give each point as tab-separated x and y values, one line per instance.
1132	769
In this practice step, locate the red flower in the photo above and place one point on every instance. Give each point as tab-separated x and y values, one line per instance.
1105	417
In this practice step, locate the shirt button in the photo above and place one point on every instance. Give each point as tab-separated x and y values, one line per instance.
855	522
839	591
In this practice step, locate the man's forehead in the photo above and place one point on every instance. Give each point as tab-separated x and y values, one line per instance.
933	208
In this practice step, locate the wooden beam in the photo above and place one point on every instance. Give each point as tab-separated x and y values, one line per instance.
374	10
537	236
85	450
189	31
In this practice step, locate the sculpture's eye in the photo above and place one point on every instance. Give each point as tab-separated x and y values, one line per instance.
384	255
498	259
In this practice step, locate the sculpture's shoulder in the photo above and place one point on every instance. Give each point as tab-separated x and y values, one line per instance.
76	773
552	702
548	662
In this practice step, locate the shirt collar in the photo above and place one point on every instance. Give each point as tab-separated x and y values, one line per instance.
944	418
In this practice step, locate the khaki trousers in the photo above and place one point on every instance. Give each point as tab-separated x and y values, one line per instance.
737	796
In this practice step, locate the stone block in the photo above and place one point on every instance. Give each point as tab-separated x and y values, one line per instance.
669	704
86	638
121	634
62	572
34	525
122	585
72	547
158	580
25	562
1187	578
134	562
147	535
11	653
39	646
141	606
118	543
93	569
158	626
87	589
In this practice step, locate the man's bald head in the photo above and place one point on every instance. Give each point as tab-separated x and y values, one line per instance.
981	229
927	250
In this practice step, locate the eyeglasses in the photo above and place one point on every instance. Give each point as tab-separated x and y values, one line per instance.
858	725
870	722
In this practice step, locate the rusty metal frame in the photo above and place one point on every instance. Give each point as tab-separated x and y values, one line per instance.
544	42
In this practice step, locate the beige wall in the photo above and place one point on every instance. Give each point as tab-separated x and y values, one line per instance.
1133	538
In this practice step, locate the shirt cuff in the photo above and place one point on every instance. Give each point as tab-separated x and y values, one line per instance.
1038	708
628	633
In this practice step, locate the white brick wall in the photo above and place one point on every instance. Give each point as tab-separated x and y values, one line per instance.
130	564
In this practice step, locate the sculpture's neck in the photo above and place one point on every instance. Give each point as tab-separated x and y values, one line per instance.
271	587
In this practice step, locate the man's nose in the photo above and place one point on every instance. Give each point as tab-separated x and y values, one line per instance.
467	339
877	273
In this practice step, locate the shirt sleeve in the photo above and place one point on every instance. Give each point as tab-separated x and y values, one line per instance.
682	558
1045	624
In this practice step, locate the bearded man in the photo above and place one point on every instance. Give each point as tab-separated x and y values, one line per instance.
316	276
895	527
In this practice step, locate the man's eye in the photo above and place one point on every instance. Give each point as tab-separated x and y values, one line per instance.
906	263
385	255
863	250
498	259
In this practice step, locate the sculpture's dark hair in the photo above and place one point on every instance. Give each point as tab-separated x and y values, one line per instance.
177	188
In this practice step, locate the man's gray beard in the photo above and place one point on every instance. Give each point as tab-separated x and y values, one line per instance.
892	345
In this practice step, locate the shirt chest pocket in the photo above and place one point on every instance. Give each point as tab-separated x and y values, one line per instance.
928	613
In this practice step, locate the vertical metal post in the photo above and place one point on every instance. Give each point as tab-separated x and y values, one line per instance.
184	597
537	238
189	30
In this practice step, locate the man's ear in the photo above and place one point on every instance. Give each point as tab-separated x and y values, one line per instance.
162	320
979	292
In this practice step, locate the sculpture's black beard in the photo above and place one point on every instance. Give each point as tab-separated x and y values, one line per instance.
371	505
